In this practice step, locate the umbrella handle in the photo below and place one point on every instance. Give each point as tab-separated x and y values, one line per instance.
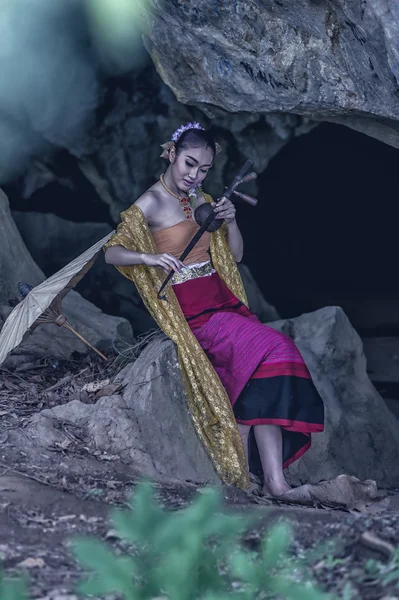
72	330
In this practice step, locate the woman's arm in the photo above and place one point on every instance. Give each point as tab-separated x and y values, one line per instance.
235	241
121	257
226	210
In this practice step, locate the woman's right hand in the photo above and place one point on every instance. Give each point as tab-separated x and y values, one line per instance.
166	262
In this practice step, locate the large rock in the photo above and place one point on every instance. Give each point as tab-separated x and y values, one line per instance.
326	61
258	73
16	265
361	438
148	427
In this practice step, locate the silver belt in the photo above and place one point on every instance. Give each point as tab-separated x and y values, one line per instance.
192	273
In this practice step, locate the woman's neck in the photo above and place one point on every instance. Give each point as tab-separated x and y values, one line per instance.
168	179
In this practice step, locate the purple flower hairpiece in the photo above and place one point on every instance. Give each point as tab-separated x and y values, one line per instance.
177	134
166	147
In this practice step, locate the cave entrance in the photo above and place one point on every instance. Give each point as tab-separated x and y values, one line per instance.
326	231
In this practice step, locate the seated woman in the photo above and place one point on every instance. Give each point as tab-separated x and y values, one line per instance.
241	376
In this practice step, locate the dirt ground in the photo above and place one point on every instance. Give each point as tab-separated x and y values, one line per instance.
47	498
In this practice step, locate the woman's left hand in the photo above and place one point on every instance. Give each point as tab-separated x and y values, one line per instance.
225	209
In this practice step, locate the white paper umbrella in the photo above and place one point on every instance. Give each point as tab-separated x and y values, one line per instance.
42	303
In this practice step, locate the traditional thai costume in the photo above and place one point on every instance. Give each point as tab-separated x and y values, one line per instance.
235	368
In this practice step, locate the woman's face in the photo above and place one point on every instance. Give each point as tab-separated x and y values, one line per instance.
191	166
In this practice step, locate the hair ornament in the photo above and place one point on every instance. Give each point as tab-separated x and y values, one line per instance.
179	132
167	146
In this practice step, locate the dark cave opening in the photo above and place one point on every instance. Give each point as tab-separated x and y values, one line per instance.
325	229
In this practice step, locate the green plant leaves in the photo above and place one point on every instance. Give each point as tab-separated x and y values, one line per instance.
111	573
195	553
12	589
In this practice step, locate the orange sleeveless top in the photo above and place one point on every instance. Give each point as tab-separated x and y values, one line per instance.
174	239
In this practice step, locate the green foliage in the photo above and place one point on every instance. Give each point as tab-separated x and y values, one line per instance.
12	589
386	573
195	553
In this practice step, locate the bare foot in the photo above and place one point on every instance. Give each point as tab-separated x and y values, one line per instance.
276	488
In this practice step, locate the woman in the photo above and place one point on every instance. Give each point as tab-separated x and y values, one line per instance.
262	372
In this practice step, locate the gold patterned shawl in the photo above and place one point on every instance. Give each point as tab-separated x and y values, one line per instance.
207	400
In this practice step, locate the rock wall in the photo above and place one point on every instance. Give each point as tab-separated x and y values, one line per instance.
326	61
120	156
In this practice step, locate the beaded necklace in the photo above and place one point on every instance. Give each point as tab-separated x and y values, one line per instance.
184	201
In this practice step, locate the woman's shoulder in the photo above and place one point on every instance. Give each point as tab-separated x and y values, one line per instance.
149	202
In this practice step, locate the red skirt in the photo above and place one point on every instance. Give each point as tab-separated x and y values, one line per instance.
261	369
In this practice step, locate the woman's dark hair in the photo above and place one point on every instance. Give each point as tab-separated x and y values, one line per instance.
195	138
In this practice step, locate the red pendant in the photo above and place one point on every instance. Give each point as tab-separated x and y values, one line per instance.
185	204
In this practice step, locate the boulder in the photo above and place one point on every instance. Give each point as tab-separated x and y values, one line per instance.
361	438
108	426
326	61
147	427
150	429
